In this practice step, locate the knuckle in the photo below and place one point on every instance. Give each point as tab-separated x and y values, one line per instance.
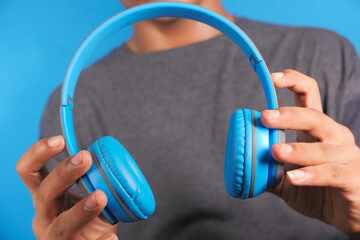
34	224
324	148
335	178
316	112
349	135
37	229
350	180
356	151
64	172
281	109
310	85
319	118
287	110
313	83
20	167
37	151
288	71
296	112
58	230
38	145
296	149
60	174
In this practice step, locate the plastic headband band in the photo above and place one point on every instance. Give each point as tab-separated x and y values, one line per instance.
150	11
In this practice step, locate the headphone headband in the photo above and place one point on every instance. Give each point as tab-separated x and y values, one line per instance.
146	12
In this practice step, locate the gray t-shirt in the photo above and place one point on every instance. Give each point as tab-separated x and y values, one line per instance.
171	109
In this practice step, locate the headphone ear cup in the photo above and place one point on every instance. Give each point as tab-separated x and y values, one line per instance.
115	172
238	156
247	155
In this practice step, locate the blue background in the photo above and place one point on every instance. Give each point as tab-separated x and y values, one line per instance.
37	40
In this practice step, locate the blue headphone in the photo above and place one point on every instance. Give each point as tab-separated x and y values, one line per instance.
249	167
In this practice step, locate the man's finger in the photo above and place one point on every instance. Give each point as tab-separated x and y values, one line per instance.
313	122
324	175
30	164
71	221
60	179
305	88
307	154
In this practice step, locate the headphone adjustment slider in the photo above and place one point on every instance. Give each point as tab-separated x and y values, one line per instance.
69	103
254	62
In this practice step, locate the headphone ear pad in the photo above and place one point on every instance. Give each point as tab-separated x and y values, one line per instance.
238	156
124	176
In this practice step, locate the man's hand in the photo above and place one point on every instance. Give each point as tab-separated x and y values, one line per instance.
53	218
323	166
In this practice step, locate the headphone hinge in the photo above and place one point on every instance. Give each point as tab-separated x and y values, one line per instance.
69	103
254	62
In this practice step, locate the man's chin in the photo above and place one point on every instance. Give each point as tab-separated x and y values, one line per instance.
165	20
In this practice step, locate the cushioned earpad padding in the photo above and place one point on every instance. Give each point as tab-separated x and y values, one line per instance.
94	179
125	176
238	156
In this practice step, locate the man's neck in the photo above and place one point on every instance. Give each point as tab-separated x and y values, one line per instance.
168	33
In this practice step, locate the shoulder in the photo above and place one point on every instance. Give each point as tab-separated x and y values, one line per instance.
274	32
312	51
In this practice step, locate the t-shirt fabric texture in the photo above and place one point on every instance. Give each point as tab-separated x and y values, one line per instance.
170	109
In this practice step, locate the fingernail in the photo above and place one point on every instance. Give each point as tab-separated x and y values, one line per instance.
274	114
76	160
286	148
296	175
54	141
91	202
277	75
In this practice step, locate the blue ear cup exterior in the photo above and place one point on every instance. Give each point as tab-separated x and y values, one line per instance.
263	152
115	172
247	155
